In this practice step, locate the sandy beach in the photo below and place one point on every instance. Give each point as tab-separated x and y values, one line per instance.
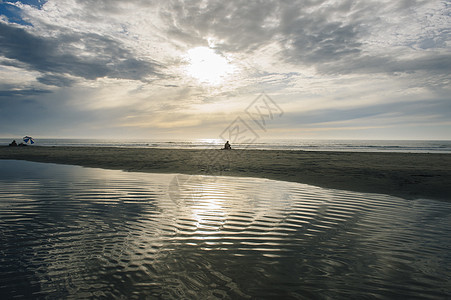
407	175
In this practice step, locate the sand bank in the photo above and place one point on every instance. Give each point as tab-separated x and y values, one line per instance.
407	175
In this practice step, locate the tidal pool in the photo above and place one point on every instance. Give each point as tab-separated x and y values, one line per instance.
75	232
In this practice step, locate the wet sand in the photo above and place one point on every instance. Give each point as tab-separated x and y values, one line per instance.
406	175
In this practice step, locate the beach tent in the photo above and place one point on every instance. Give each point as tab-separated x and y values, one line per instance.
28	139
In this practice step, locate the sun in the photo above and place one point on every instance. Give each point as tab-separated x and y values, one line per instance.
207	66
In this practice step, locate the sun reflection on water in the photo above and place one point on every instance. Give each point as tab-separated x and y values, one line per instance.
72	232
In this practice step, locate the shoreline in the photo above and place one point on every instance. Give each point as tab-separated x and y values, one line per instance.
405	175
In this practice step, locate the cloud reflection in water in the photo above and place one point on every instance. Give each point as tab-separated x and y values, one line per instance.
69	231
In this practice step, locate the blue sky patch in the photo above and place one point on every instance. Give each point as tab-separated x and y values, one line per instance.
13	13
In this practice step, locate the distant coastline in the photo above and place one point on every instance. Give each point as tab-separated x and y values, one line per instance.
407	175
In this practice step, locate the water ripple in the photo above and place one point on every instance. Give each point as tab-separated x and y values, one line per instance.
72	232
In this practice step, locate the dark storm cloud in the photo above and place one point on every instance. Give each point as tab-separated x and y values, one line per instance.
89	56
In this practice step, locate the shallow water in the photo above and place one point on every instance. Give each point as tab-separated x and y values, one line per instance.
74	232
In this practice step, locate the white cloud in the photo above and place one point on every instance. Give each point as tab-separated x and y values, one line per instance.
129	58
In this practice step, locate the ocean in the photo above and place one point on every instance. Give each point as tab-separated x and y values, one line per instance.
405	146
70	232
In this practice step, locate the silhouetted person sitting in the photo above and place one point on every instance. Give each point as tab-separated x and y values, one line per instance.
13	144
227	146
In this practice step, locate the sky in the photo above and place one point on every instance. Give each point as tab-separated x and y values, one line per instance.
310	69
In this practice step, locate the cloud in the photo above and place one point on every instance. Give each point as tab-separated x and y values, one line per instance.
55	80
332	36
22	92
326	61
237	25
313	38
336	37
89	56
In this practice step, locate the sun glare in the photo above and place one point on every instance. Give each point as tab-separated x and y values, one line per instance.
207	66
